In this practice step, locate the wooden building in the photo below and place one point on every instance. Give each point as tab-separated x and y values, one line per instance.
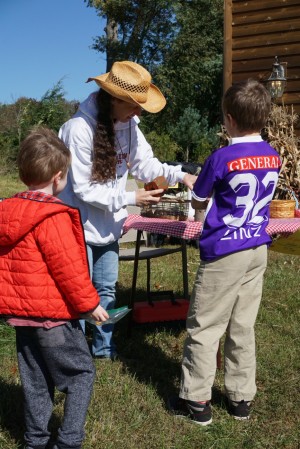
255	31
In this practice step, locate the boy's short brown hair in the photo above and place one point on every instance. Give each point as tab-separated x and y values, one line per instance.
249	104
42	155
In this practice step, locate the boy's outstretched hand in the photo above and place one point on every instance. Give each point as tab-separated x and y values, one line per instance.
189	180
98	314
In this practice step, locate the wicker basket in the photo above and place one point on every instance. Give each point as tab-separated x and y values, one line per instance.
282	209
171	209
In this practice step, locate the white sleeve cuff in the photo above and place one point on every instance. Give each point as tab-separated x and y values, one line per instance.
180	175
198	198
131	198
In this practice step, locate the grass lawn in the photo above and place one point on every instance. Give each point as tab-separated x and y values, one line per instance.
10	185
128	408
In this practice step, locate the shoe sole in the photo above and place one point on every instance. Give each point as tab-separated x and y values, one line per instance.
187	416
190	419
203	424
241	418
233	410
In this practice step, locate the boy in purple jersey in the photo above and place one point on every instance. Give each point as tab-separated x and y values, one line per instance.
239	181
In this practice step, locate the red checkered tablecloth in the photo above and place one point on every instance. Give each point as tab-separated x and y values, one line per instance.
190	230
283	225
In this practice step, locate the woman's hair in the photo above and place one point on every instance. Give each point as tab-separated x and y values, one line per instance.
105	155
42	155
249	104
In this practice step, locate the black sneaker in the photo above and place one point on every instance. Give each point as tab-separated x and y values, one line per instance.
197	412
240	409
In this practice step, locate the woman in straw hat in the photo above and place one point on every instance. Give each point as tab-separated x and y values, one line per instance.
107	144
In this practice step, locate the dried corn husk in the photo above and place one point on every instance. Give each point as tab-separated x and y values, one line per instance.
281	135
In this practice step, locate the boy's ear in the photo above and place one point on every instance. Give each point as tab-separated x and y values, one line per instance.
57	177
231	120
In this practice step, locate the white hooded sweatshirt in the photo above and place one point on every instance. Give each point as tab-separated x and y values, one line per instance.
103	205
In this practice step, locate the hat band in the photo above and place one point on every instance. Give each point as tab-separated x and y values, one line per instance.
141	88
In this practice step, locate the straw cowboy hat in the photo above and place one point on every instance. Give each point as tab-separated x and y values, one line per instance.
130	82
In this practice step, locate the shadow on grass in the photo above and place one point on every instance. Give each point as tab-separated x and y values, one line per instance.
11	414
148	362
11	410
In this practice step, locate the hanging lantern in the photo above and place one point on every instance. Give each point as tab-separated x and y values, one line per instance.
277	81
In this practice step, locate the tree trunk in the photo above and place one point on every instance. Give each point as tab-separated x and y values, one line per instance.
187	153
111	31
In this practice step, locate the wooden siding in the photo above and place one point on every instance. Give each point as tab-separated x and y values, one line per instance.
256	31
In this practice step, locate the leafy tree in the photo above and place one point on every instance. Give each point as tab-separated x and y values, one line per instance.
209	141
194	137
191	74
18	118
187	131
181	44
52	110
139	31
6	163
164	148
14	121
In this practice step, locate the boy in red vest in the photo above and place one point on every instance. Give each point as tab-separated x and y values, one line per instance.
45	288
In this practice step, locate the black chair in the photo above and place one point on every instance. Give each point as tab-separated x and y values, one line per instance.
147	253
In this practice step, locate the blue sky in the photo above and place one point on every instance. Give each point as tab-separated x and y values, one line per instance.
43	41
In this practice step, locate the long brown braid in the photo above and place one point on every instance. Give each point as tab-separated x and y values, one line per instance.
105	155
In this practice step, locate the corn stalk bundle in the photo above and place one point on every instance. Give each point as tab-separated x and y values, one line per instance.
280	133
223	137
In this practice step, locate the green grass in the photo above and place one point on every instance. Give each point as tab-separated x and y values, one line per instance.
10	184
128	408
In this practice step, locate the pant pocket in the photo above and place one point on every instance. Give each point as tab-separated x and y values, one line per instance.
50	338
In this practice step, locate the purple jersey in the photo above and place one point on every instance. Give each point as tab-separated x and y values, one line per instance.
241	180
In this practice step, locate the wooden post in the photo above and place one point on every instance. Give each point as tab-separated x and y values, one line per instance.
227	52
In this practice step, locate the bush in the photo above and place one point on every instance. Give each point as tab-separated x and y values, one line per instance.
17	119
164	148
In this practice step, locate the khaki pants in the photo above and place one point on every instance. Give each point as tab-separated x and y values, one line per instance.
226	298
